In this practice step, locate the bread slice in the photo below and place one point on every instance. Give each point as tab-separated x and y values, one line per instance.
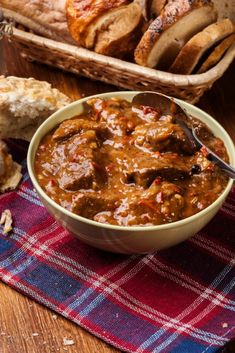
10	171
24	104
116	33
194	49
217	54
178	22
81	14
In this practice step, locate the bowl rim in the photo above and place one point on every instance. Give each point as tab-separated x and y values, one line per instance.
53	204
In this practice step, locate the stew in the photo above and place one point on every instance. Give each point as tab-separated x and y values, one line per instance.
129	165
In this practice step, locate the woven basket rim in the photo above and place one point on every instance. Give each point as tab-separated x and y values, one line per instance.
162	76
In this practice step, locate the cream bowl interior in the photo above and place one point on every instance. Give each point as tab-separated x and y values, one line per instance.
121	239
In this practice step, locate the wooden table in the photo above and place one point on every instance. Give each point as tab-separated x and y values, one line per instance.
25	326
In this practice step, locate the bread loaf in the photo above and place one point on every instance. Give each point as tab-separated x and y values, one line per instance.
166	35
45	17
109	28
82	13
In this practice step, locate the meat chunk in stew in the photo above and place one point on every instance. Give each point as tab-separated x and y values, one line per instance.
168	166
77	176
88	204
162	136
72	127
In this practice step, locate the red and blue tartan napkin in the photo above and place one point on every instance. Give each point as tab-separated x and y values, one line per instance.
178	300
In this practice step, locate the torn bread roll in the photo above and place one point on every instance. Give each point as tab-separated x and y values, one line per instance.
43	17
178	22
198	45
24	104
10	171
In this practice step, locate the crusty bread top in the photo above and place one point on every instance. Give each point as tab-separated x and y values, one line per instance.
193	50
217	54
170	16
25	103
81	13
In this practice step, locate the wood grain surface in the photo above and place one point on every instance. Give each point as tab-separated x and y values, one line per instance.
28	327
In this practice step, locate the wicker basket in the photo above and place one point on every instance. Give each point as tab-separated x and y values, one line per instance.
117	72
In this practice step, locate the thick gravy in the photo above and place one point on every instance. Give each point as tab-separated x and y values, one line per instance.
128	166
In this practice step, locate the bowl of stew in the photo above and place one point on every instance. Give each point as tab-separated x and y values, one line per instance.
125	178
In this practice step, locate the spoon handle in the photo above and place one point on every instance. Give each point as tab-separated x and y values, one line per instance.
223	165
217	160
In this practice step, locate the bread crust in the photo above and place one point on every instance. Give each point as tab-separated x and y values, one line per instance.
193	50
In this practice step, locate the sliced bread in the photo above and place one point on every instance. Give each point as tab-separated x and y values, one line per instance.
116	33
81	14
178	22
194	49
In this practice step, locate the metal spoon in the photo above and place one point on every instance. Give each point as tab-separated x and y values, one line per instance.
169	106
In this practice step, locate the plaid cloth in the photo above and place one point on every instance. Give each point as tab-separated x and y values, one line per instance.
178	300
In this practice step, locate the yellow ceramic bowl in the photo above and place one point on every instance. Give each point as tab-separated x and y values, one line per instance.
120	239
